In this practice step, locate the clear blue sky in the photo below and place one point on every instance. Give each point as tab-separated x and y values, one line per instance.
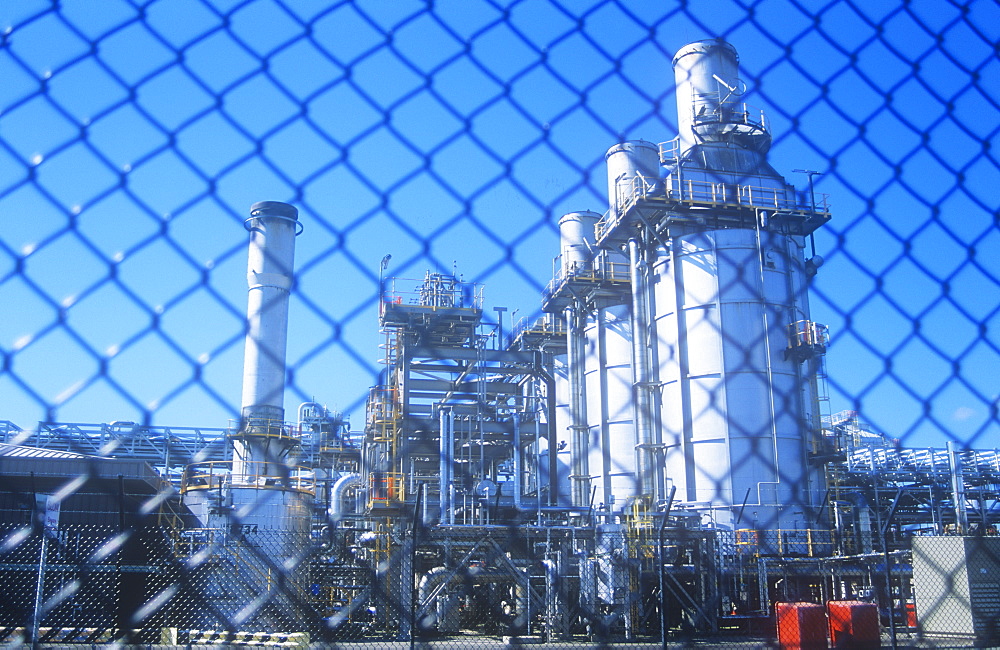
134	136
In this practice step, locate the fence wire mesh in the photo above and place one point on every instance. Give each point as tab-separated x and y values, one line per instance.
659	451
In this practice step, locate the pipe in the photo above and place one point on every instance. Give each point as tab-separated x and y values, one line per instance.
640	364
553	617
523	595
434	579
550	416
339	491
429	583
516	417
447	446
580	450
957	490
304	406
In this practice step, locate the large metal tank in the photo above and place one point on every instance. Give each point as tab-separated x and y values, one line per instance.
609	439
576	234
634	173
576	241
633	166
732	403
709	94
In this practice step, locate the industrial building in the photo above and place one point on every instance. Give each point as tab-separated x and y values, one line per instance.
653	458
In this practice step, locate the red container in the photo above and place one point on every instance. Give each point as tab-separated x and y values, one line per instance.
911	615
853	624
801	626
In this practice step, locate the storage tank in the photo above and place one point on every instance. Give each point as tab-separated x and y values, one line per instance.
603	430
576	240
632	166
709	95
560	373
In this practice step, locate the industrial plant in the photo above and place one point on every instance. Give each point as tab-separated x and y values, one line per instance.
653	458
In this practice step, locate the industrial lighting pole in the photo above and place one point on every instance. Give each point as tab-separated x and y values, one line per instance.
812	195
812	200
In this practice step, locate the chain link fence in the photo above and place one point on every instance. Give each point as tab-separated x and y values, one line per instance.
444	140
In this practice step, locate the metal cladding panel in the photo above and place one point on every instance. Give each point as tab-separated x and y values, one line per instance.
738	266
609	366
787	401
560	373
562	468
791	468
672	420
731	403
668	359
610	403
273	509
744	340
746	394
703	332
707	440
752	456
698	275
708	404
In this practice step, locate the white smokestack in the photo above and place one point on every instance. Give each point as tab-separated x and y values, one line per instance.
270	260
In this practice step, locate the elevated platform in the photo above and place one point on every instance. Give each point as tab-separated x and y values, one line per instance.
596	285
682	205
547	332
440	310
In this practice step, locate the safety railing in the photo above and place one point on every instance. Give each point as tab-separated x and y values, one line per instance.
255	474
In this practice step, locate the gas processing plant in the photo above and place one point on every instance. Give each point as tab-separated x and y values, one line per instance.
652	457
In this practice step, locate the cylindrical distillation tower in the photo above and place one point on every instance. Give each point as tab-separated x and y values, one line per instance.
724	408
737	412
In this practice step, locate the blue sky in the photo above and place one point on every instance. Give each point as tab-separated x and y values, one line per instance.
134	138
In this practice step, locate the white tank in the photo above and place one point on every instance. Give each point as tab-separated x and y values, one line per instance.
576	240
732	405
631	166
710	106
609	406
